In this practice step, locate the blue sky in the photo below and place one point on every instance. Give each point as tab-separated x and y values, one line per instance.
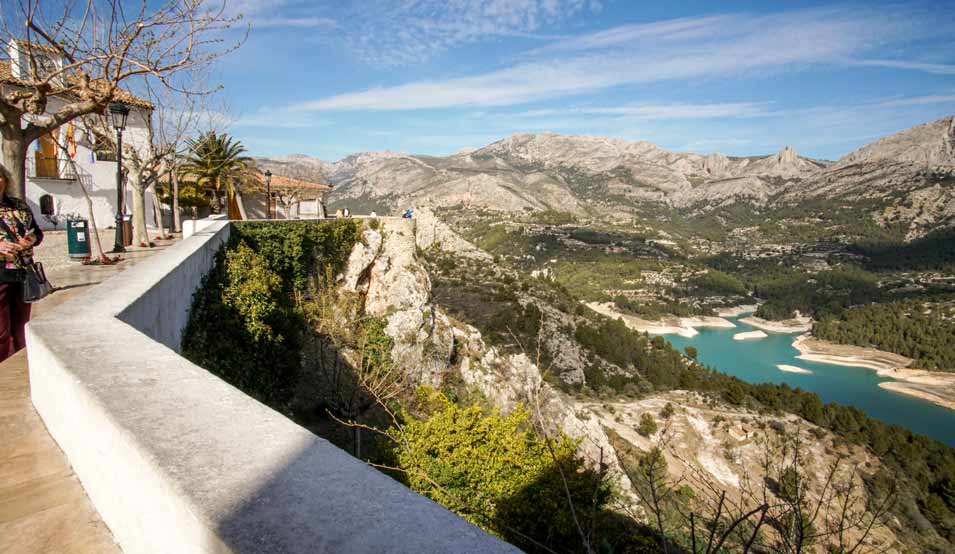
425	76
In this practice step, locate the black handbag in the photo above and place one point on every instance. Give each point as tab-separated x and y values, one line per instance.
35	283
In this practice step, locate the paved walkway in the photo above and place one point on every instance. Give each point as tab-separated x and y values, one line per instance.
43	507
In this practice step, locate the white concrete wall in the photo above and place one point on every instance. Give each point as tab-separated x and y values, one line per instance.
178	461
192	226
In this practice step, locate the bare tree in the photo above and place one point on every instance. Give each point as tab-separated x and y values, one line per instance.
353	362
83	52
287	196
177	115
781	511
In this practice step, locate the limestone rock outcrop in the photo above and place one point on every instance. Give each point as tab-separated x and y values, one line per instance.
715	164
432	232
786	156
383	267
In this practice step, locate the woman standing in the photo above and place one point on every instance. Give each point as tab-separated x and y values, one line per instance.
19	233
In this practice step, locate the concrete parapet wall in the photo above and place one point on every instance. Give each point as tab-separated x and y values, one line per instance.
178	461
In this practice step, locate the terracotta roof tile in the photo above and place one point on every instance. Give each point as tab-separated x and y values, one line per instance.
124	96
283	182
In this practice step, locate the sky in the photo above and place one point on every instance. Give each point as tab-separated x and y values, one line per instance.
333	78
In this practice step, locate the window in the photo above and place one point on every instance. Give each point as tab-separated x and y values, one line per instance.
46	205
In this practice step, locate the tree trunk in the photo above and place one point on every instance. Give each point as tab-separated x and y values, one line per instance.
176	219
241	205
92	221
140	236
157	209
233	208
15	159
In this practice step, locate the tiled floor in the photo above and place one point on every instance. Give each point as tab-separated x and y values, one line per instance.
43	507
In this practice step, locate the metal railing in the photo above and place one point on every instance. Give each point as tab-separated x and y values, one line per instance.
56	168
48	167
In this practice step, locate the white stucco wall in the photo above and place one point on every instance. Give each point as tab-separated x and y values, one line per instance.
67	195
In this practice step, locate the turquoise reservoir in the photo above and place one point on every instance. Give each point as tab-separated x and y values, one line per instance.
755	361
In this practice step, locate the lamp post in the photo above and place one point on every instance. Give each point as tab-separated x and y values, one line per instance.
118	114
268	194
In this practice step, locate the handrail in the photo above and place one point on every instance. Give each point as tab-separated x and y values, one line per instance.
59	168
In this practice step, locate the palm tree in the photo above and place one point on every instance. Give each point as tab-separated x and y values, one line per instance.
216	161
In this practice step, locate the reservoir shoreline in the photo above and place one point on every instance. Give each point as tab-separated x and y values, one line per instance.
936	387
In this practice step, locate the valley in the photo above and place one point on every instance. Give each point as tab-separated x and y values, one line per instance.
584	275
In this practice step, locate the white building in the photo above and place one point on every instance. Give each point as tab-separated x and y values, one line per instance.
52	184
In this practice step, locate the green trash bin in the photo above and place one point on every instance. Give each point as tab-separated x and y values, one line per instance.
78	239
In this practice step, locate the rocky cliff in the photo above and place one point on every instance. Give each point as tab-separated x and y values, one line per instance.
717	445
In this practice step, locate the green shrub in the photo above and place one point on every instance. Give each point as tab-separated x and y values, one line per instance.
498	474
648	424
667	411
245	325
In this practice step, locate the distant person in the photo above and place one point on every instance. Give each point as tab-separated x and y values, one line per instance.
19	233
409	213
373	214
338	213
346	212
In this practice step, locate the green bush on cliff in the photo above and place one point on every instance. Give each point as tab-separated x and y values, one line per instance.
494	471
245	324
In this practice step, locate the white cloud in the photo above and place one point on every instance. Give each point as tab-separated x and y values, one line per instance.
671	29
305	21
936	68
277	13
404	32
674	50
665	111
919	101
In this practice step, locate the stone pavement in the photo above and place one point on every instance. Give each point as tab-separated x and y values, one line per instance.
43	507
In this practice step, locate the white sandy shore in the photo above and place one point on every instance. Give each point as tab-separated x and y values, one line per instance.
737	310
792	369
683	326
798	325
749	335
936	387
815	350
919	392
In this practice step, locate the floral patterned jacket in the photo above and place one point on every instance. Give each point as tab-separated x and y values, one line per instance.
16	222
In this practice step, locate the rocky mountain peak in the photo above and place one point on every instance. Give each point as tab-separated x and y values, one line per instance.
786	156
715	164
931	143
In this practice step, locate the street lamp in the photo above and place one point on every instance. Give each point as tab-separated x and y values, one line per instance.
268	194
118	114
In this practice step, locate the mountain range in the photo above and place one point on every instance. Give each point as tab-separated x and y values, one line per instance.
910	174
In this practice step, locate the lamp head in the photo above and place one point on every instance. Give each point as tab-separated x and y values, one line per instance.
118	113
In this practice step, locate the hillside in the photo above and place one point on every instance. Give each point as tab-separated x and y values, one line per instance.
370	316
